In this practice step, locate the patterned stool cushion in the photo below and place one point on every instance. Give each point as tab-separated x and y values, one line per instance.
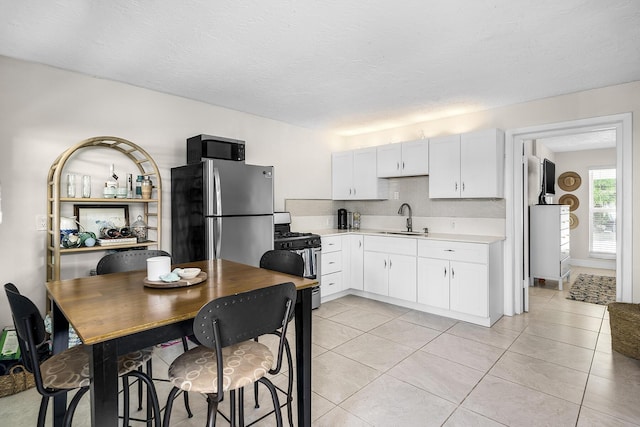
70	369
244	364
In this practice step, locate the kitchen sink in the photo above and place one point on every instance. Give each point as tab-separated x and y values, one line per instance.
405	233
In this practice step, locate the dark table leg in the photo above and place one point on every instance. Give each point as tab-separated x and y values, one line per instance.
104	387
303	356
60	332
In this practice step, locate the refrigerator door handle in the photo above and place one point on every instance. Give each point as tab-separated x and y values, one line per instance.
213	231
217	208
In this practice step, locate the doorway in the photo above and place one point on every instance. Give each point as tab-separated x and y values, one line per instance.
516	269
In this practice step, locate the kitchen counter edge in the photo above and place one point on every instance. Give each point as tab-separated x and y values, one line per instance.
468	238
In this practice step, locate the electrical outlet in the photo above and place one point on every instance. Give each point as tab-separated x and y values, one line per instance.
41	223
453	225
396	195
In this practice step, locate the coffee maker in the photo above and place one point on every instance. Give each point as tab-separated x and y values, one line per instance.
342	219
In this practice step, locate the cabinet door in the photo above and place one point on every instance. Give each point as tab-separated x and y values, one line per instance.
356	267
482	163
376	273
389	160
444	167
402	277
469	290
342	175
433	282
415	158
365	177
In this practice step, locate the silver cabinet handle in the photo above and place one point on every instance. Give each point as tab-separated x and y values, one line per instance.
445	272
403	165
453	273
397	165
385	263
463	186
456	186
389	263
331	262
359	243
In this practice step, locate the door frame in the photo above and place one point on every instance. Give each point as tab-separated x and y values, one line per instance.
515	280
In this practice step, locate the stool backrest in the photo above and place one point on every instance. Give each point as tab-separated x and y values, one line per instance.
245	316
283	261
127	261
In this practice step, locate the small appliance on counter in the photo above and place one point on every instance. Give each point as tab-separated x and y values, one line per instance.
307	245
342	219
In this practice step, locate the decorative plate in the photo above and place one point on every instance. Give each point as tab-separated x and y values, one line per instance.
178	284
571	200
573	221
569	181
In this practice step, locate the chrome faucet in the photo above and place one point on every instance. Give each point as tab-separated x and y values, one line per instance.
401	212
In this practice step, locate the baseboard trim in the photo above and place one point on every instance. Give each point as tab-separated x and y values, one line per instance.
608	264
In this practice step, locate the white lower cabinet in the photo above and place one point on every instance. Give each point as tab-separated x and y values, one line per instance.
356	262
464	278
433	282
331	265
390	267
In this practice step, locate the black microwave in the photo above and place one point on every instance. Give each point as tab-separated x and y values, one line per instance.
214	147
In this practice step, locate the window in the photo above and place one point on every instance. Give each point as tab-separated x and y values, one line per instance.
602	213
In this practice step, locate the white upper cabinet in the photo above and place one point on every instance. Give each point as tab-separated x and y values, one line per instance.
354	176
470	165
409	158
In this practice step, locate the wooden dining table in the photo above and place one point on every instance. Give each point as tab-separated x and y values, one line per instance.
116	314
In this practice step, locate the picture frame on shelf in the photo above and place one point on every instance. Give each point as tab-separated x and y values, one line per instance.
94	217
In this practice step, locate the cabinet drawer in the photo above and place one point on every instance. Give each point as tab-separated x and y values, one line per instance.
454	251
390	245
565	236
331	262
331	244
330	284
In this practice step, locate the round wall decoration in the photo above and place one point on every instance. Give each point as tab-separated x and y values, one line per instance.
573	221
569	181
571	200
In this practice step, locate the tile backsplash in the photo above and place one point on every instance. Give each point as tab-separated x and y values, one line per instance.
471	216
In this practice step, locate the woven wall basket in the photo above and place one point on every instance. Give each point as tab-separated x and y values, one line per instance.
625	328
16	381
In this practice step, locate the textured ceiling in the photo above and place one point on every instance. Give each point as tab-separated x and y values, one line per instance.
336	64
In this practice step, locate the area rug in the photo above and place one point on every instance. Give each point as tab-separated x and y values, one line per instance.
593	289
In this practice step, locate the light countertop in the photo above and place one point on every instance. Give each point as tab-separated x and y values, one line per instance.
469	238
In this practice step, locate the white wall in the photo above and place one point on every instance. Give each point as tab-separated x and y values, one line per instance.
44	110
581	105
580	162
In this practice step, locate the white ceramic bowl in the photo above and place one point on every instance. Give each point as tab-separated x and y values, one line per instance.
188	273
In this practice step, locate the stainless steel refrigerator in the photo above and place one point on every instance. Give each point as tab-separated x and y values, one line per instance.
221	209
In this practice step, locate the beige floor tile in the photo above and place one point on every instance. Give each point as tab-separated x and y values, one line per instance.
319	406
465	418
375	352
604	343
568	319
390	402
615	366
338	417
374	306
429	320
317	350
331	308
577	307
515	323
618	398
405	333
547	377
562	333
336	377
329	334
363	320
516	405
590	418
466	352
449	380
496	337
567	355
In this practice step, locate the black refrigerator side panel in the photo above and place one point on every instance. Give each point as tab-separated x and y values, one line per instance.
188	237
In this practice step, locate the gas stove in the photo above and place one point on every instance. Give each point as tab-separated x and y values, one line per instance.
295	240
